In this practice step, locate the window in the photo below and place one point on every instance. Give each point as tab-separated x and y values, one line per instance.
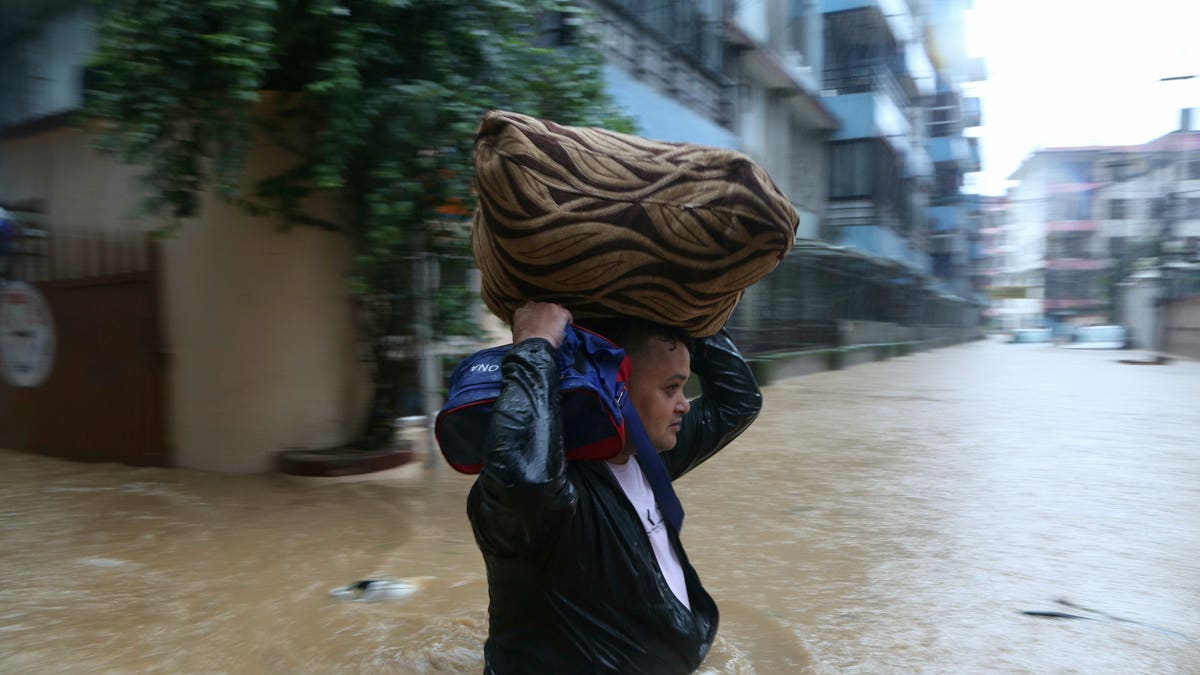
1071	285
850	169
1072	172
691	29
1193	208
1193	169
1120	169
946	183
1075	246
1070	207
798	23
1067	245
1117	209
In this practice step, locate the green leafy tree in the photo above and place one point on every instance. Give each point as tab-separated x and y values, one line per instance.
376	102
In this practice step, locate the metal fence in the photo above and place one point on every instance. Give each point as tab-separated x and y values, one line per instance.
47	255
818	289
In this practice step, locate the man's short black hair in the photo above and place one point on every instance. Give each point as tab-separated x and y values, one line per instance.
633	334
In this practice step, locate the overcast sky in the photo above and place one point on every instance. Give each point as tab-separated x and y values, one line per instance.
1079	72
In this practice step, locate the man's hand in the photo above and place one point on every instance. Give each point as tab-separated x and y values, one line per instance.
540	319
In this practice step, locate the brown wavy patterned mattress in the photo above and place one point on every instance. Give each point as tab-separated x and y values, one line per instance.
609	224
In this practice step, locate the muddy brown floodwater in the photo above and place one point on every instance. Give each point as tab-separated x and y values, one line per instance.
898	516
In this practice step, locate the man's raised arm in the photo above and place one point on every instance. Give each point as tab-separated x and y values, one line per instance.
730	400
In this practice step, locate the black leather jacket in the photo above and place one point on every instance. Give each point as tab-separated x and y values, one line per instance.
574	586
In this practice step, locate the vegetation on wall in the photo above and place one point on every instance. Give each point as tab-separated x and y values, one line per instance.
375	102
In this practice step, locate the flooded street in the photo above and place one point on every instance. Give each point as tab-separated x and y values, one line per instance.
897	516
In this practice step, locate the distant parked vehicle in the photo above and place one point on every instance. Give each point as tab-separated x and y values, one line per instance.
1099	337
1031	335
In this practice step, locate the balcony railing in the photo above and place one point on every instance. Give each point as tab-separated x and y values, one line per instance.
1073	226
857	79
1074	303
1075	264
681	26
861	212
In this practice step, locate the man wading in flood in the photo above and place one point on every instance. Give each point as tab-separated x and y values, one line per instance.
584	575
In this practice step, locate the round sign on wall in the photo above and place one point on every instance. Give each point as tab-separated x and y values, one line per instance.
26	335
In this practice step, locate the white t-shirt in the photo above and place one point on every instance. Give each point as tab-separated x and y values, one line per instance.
633	483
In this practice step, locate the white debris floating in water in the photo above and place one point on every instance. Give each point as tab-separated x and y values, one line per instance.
104	562
373	590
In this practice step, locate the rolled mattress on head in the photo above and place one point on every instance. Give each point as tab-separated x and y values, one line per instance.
610	224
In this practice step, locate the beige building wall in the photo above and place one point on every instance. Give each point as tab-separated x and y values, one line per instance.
59	172
260	336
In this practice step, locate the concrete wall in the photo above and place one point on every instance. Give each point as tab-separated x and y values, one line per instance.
1138	311
261	343
870	332
771	367
867	115
661	117
884	242
262	340
58	171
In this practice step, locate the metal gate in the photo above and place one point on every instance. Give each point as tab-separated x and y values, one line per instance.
105	397
1182	332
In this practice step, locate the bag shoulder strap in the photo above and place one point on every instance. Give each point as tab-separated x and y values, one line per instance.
653	467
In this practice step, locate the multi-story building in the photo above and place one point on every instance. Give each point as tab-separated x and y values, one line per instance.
1019	268
1013	274
953	216
832	98
1085	217
779	117
876	75
976	281
993	243
742	75
1056	203
841	101
1150	203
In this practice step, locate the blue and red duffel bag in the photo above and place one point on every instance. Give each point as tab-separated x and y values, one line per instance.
593	380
